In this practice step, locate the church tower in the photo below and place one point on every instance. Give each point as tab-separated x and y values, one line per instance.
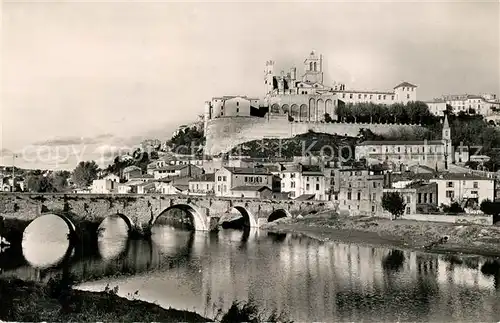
313	68
268	77
448	153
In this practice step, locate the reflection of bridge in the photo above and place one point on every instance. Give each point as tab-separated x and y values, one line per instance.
136	256
141	211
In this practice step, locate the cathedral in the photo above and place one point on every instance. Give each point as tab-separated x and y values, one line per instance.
302	98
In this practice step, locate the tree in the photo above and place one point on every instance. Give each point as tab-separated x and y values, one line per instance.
393	203
85	173
39	184
328	118
59	180
490	208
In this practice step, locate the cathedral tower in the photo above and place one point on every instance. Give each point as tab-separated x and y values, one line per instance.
313	68
268	77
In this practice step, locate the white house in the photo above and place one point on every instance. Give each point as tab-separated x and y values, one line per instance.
131	171
202	185
298	179
103	186
461	187
228	178
177	171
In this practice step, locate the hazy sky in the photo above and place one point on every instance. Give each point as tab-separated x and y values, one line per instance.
119	69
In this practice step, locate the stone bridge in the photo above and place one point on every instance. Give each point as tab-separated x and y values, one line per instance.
140	211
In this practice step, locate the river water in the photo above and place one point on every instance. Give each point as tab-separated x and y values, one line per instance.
304	278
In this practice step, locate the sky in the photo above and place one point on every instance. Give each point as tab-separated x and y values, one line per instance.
93	76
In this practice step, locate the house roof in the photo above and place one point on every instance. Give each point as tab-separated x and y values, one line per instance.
406	84
248	171
130	168
204	178
458	176
174	167
250	188
142	176
181	187
363	92
305	197
399	142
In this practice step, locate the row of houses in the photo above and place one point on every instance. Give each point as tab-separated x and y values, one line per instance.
358	190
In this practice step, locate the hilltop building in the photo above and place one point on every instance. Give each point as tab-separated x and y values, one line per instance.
293	104
302	98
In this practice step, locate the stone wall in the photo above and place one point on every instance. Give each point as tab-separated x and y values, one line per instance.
222	134
466	219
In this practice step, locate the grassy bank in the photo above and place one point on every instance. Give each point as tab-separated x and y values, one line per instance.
22	301
417	235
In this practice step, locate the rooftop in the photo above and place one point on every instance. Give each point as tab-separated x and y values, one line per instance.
457	176
204	178
399	142
406	84
248	171
250	188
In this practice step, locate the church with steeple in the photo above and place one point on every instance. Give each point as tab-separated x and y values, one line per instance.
435	154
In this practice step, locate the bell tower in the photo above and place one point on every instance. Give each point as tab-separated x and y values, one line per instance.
313	68
268	77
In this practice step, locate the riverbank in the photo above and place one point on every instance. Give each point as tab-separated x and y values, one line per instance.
403	234
22	301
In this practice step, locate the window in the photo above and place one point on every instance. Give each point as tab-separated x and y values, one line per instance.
392	98
374	196
237	110
408	199
343	95
359	196
317	187
379	96
373	208
449	184
224	178
292	175
292	184
350	96
348	195
374	184
475	184
317	179
473	192
384	96
419	198
450	194
307	187
237	104
359	96
407	96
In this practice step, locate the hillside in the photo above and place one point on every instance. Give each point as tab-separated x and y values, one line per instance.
314	143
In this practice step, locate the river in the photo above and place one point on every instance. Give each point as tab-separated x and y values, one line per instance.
304	278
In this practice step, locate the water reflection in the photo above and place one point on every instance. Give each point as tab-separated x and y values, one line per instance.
113	236
310	280
45	241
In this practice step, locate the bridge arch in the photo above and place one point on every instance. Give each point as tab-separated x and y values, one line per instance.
199	221
122	216
247	216
278	214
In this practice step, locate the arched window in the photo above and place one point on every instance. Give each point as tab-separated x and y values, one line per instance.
315	67
310	66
